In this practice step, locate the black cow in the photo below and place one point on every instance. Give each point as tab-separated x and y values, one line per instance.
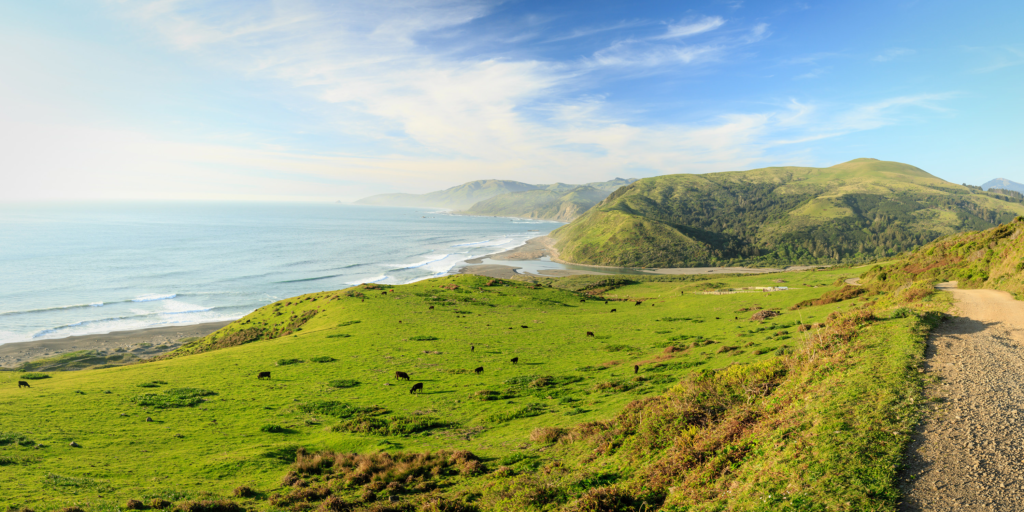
583	300
401	375
472	348
263	375
613	311
638	303
416	388
23	384
636	369
523	326
515	360
606	302
383	293
431	307
590	333
479	370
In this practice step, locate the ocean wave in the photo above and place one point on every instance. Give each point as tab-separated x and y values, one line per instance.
54	308
402	266
199	310
471	243
309	279
150	298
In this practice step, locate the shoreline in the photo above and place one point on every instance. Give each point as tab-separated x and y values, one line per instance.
163	339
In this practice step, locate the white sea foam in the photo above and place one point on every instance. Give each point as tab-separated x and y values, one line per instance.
471	243
369	280
403	266
150	298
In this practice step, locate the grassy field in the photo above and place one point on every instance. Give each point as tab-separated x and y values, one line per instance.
200	425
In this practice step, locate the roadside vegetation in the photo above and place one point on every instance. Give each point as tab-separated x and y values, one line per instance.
682	399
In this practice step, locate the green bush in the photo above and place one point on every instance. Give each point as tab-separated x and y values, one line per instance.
338	409
272	429
178	397
34	376
423	338
389	426
323	359
283	362
343	383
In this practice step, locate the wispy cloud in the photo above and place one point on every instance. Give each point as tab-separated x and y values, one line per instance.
893	54
590	31
686	29
996	58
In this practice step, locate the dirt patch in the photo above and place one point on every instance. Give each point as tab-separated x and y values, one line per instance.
966	454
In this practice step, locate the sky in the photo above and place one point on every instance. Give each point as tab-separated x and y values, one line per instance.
302	100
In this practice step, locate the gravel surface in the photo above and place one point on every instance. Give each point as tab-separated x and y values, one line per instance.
968	453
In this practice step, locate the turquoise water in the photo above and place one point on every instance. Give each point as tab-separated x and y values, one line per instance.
87	268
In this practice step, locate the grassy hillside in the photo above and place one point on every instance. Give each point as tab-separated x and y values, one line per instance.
541	204
732	408
855	211
989	259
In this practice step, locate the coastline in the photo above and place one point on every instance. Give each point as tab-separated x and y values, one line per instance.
163	339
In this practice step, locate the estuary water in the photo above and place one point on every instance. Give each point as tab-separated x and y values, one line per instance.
74	269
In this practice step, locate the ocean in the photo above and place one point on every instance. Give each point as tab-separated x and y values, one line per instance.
77	269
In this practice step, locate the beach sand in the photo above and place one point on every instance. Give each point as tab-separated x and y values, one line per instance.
163	340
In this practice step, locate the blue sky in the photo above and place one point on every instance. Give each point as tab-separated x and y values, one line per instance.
314	100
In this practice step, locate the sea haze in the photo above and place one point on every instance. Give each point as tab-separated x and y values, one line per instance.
86	268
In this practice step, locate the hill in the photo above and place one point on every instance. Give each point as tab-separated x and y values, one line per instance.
540	201
540	204
457	197
1004	184
762	412
856	211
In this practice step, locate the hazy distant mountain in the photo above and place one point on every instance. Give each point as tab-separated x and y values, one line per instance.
503	198
457	197
855	211
1004	184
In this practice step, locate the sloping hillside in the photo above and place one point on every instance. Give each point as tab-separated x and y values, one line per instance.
458	197
541	204
989	259
855	211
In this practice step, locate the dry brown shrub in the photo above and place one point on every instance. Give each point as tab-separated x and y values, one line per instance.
243	491
72	509
764	314
672	348
471	467
445	505
159	503
368	496
208	506
134	505
609	364
546	435
335	504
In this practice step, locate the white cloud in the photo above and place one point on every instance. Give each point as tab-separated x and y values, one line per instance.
687	29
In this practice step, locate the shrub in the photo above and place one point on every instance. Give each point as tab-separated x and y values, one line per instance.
34	376
159	503
902	313
243	491
148	385
272	429
423	338
389	426
546	435
343	383
322	359
177	397
134	505
522	412
284	362
338	409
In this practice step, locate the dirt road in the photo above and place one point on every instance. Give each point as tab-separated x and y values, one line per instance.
969	452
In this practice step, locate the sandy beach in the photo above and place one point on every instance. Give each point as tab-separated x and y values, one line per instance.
162	339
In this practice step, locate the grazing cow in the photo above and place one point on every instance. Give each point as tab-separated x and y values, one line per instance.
638	303
401	376
383	293
23	384
515	360
590	333
479	370
716	318
431	307
613	311
583	300
472	348
606	302
263	375
523	326
636	369
417	388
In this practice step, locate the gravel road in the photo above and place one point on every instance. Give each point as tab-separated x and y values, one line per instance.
968	453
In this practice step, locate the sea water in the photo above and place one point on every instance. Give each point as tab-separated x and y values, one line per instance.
76	269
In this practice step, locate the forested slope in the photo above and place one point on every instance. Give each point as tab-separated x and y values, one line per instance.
852	212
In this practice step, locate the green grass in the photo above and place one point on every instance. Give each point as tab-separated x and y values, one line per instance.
205	438
34	376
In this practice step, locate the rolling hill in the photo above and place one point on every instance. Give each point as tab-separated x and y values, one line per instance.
557	201
856	211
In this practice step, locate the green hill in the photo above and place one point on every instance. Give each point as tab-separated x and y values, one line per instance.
457	197
855	211
556	201
541	204
769	410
